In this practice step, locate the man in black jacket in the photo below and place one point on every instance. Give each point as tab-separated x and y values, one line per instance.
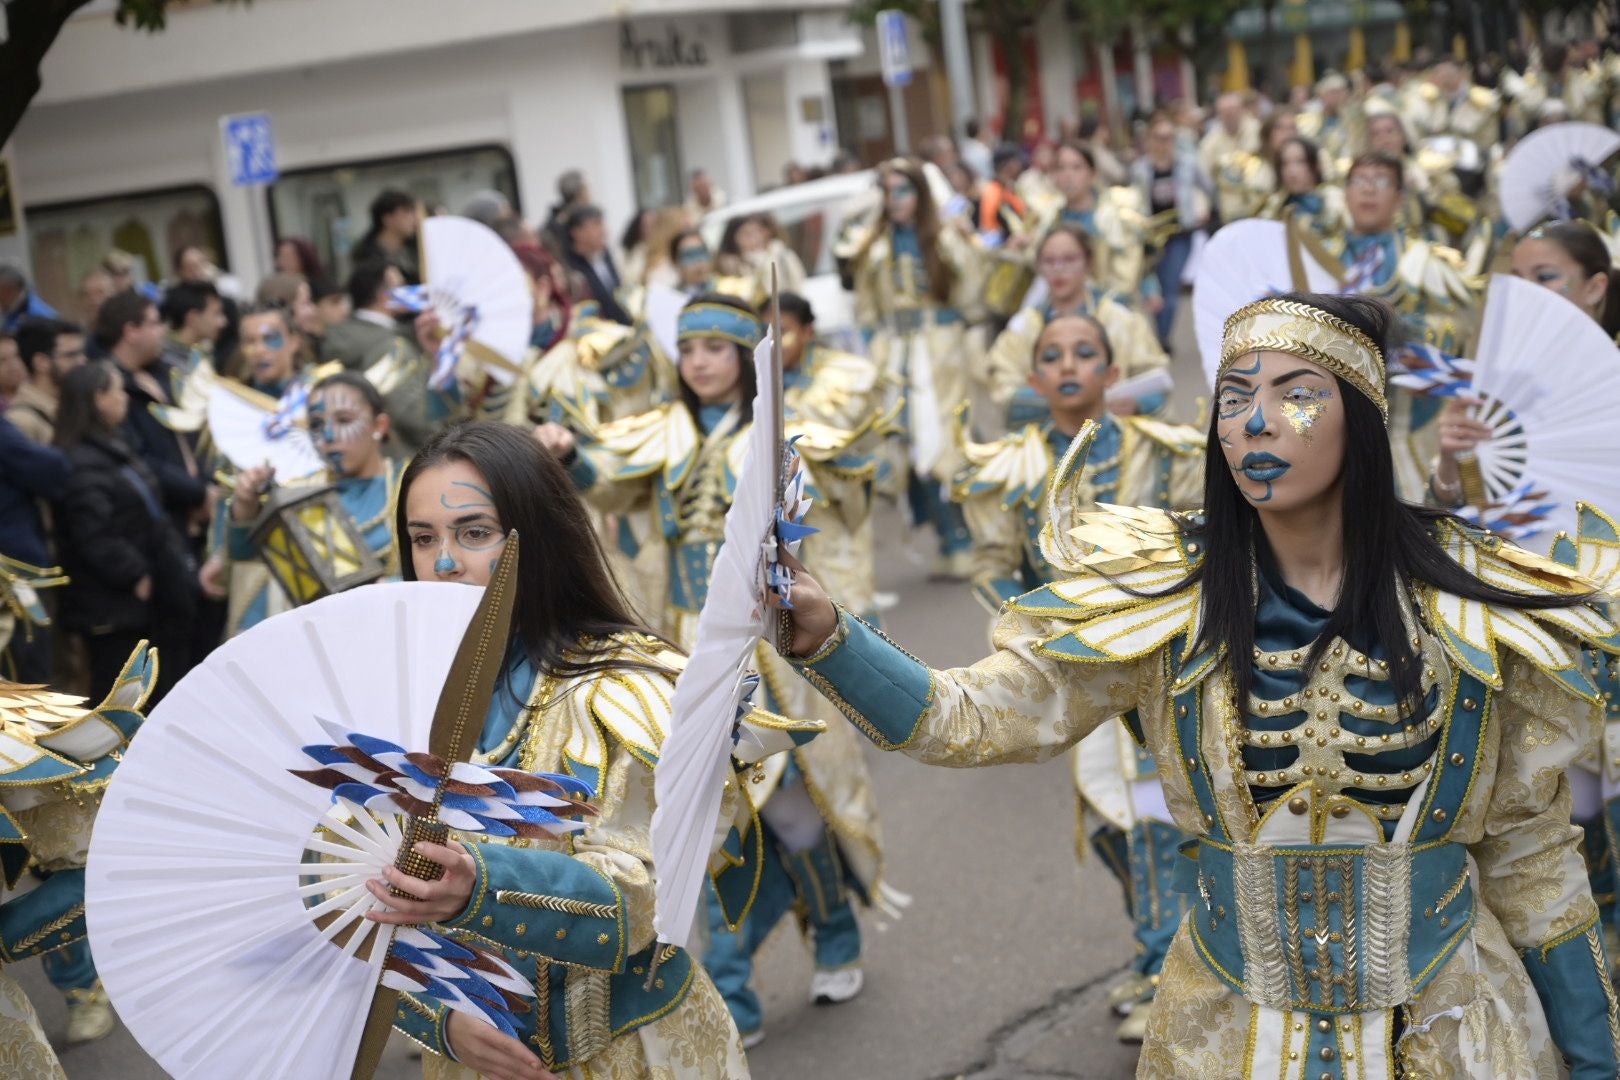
129	329
588	257
29	472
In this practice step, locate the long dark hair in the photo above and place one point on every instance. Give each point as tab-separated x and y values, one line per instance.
76	416
1581	242
747	384
567	598
1391	546
941	279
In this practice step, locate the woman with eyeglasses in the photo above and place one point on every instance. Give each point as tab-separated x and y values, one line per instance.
1064	260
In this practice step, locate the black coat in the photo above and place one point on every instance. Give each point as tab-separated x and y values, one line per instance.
111	532
178	489
601	291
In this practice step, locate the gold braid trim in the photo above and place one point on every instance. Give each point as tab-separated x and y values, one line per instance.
419	1009
45	931
1612	1007
1304	331
562	904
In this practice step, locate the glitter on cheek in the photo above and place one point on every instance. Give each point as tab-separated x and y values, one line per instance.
1303	415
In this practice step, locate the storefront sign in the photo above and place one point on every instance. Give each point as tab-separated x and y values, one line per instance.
658	52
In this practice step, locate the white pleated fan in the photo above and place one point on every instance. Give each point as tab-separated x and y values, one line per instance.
472	279
1548	381
228	931
1548	164
249	428
712	689
1243	262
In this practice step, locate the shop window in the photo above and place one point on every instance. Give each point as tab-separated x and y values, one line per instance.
329	204
655	157
67	240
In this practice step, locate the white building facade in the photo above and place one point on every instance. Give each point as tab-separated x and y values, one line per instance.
122	147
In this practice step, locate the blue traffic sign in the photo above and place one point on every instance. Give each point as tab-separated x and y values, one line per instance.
250	146
894	48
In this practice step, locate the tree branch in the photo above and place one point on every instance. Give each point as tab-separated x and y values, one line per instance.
33	26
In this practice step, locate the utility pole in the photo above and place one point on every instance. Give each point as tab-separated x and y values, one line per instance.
958	70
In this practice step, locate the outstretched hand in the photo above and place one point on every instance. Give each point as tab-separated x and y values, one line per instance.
814	616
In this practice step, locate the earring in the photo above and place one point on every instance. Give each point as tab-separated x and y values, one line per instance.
377	436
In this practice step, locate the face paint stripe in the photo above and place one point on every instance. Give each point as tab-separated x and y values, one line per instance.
1256	423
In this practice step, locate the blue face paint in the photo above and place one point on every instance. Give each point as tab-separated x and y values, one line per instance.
482	499
1262	468
444	565
1257	423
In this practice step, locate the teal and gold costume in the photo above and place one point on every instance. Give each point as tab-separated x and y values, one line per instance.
1384	889
574	915
1004	491
56	757
919	346
684	469
1124	236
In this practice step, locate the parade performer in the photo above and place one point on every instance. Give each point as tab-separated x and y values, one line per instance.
59	756
1569	258
1334	122
1426	283
349	428
749	248
1116	219
1003	489
909	269
1064	257
1446	103
1352	700
585	692
1301	192
817	808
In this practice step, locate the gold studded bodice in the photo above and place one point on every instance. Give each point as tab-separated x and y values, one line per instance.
701	503
1337	726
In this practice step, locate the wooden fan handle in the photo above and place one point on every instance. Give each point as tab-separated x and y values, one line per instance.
1473	480
409	862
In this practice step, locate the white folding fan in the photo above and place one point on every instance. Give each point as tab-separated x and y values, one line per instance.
1246	261
766	512
253	429
1548	164
475	285
1547	379
226	891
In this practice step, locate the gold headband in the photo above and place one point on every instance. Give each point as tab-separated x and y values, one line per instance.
1275	325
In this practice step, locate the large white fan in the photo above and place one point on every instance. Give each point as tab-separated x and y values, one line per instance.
711	693
227	930
663	317
1243	262
1547	165
480	292
1548	381
253	429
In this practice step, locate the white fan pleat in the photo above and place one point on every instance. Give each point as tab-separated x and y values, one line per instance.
1243	262
469	265
205	937
690	777
1549	378
1530	180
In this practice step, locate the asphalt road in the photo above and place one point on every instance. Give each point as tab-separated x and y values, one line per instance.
998	968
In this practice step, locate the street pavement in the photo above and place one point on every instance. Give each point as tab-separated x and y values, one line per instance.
999	967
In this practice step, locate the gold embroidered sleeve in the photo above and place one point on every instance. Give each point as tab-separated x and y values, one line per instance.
1530	868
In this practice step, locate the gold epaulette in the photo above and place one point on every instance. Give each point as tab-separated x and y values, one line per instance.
1016	467
1180	439
664	438
1437	273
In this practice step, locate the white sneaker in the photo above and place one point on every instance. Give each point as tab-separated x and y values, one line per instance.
753	1038
835	987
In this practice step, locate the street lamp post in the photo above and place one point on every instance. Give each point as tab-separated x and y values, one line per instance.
953	32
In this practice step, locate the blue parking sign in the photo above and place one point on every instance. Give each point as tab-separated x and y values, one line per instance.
894	48
250	147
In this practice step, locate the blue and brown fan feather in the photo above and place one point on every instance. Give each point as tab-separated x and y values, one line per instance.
384	777
465	977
